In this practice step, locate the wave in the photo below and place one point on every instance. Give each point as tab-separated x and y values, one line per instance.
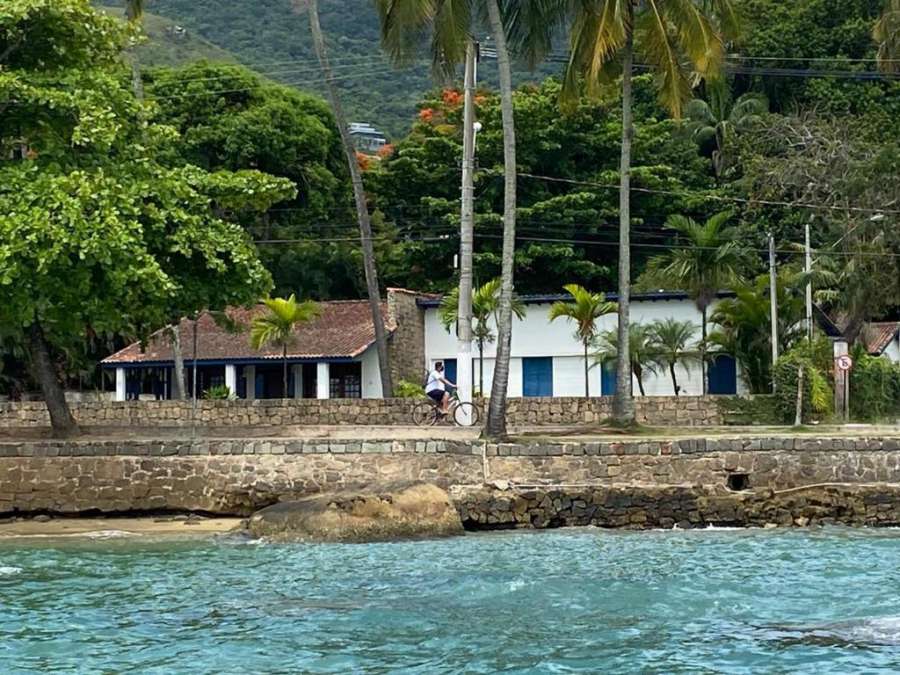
875	632
8	571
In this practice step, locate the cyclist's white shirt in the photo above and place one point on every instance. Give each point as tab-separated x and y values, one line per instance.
435	383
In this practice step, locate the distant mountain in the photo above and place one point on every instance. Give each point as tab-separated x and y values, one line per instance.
270	37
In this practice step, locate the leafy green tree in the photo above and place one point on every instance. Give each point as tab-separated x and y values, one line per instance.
98	236
712	123
887	34
744	327
707	259
278	324
674	341
485	304
678	39
584	309
643	352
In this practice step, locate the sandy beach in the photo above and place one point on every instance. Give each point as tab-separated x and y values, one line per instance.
61	527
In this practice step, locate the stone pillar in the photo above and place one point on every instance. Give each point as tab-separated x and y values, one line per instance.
120	384
231	378
250	377
298	380
323	380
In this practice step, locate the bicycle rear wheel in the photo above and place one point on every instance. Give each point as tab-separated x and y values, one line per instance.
466	415
424	414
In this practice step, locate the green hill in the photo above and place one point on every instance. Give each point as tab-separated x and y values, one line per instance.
169	44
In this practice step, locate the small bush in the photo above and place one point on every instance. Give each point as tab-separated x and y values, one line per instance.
874	389
818	385
218	393
407	389
744	410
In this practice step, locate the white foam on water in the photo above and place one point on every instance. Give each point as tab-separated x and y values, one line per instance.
108	534
516	585
880	631
8	570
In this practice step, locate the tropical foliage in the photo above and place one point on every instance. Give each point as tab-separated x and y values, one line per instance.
674	343
583	310
644	355
277	324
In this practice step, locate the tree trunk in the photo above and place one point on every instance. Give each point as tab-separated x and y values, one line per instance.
587	386
798	411
61	419
359	196
284	374
178	388
639	375
496	418
703	368
466	235
674	379
481	367
623	403
137	82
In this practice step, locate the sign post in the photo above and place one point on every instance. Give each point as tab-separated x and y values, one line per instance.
843	363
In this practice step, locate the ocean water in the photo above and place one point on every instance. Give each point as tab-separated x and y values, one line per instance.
593	601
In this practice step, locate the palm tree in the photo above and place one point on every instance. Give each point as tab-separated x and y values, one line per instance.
887	34
707	260
134	14
278	324
359	197
678	39
485	305
673	341
450	24
744	330
643	353
711	124
584	310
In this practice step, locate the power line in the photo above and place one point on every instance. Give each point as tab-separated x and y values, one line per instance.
764	202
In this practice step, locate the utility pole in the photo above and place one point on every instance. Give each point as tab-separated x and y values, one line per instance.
773	302
467	231
808	269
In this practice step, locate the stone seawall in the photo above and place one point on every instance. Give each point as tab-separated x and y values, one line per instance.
653	410
238	476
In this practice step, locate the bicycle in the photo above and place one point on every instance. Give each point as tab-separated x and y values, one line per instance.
428	413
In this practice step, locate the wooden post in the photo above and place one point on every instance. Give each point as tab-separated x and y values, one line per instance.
841	399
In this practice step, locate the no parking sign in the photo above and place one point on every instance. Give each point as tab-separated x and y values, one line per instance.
844	362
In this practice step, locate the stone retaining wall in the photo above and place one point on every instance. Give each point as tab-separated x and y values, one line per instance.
239	476
656	410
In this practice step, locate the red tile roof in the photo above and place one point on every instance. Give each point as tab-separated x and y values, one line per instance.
878	336
343	329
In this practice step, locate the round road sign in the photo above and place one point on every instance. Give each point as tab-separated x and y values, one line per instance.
844	362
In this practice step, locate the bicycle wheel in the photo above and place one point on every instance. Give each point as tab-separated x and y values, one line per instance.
424	414
466	415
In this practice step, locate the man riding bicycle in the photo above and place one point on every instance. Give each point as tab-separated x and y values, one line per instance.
436	387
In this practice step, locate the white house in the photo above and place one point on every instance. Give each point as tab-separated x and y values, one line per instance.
548	360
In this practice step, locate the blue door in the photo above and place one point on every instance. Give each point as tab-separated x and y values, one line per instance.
450	370
537	376
608	378
722	375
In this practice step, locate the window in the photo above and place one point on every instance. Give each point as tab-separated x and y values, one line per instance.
345	380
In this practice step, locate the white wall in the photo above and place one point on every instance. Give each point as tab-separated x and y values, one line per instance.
536	336
371	373
893	350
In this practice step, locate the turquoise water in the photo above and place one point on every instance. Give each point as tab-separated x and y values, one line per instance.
823	601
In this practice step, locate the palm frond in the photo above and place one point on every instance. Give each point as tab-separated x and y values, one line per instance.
599	31
404	24
530	26
655	36
697	36
451	30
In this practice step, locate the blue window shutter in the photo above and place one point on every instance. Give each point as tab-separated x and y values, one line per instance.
537	376
450	370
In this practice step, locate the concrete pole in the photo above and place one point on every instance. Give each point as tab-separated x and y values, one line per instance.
841	399
808	268
467	233
120	384
250	377
773	302
323	380
298	380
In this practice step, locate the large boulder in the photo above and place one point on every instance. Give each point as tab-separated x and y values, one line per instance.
386	513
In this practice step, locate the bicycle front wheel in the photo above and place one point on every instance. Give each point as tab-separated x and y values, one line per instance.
466	415
424	415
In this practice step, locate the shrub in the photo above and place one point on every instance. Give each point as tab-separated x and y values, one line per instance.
818	386
218	393
407	389
743	410
874	388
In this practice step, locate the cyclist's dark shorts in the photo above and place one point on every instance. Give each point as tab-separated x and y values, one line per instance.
437	395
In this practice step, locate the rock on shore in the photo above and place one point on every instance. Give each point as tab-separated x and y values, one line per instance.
386	513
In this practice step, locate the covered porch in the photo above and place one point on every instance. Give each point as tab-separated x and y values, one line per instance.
262	379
